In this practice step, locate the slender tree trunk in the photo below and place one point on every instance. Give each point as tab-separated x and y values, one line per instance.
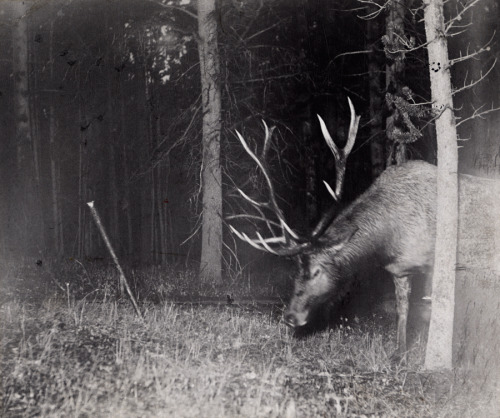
56	218
146	215
126	205
161	220
161	182
82	152
153	246
80	234
211	246
113	184
439	346
23	179
60	211
394	74
37	149
301	25
20	70
150	100
377	134
169	240
311	175
481	154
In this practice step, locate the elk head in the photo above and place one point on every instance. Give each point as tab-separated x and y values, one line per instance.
316	279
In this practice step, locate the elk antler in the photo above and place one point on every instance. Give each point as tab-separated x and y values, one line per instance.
290	243
339	154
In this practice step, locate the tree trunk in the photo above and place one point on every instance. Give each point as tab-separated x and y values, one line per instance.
144	130
481	152
82	175
152	226
439	345
113	183
162	182
311	175
23	194
80	232
126	203
34	86
394	74
211	246
56	218
377	134
307	45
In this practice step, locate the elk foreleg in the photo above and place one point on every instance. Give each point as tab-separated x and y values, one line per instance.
403	290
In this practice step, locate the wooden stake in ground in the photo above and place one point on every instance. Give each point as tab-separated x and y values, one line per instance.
113	255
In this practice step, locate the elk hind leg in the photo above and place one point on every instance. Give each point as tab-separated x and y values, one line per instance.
403	289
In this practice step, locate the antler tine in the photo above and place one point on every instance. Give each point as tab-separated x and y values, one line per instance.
353	128
267	139
252	242
244	237
264	243
331	191
235	232
340	154
257	206
328	139
263	169
253	202
289	241
253	217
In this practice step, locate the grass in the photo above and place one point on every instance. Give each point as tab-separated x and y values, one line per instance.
67	357
99	359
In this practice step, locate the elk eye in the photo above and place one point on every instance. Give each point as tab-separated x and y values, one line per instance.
316	273
299	293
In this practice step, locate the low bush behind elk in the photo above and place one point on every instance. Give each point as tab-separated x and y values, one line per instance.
392	224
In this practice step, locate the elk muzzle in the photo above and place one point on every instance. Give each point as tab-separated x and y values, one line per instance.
296	319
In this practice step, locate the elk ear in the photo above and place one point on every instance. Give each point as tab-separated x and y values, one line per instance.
337	243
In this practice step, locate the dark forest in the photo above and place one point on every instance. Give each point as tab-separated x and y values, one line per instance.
115	116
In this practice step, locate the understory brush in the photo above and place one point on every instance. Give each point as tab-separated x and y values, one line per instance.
33	281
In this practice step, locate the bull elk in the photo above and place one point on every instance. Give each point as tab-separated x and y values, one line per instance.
392	224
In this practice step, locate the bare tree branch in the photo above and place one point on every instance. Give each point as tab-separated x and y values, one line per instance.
473	83
173	7
352	53
478	114
459	15
263	31
379	9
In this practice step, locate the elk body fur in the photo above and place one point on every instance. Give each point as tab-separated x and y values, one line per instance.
392	224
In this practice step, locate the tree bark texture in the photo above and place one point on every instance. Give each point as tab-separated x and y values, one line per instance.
439	346
211	246
377	134
394	73
21	232
56	211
